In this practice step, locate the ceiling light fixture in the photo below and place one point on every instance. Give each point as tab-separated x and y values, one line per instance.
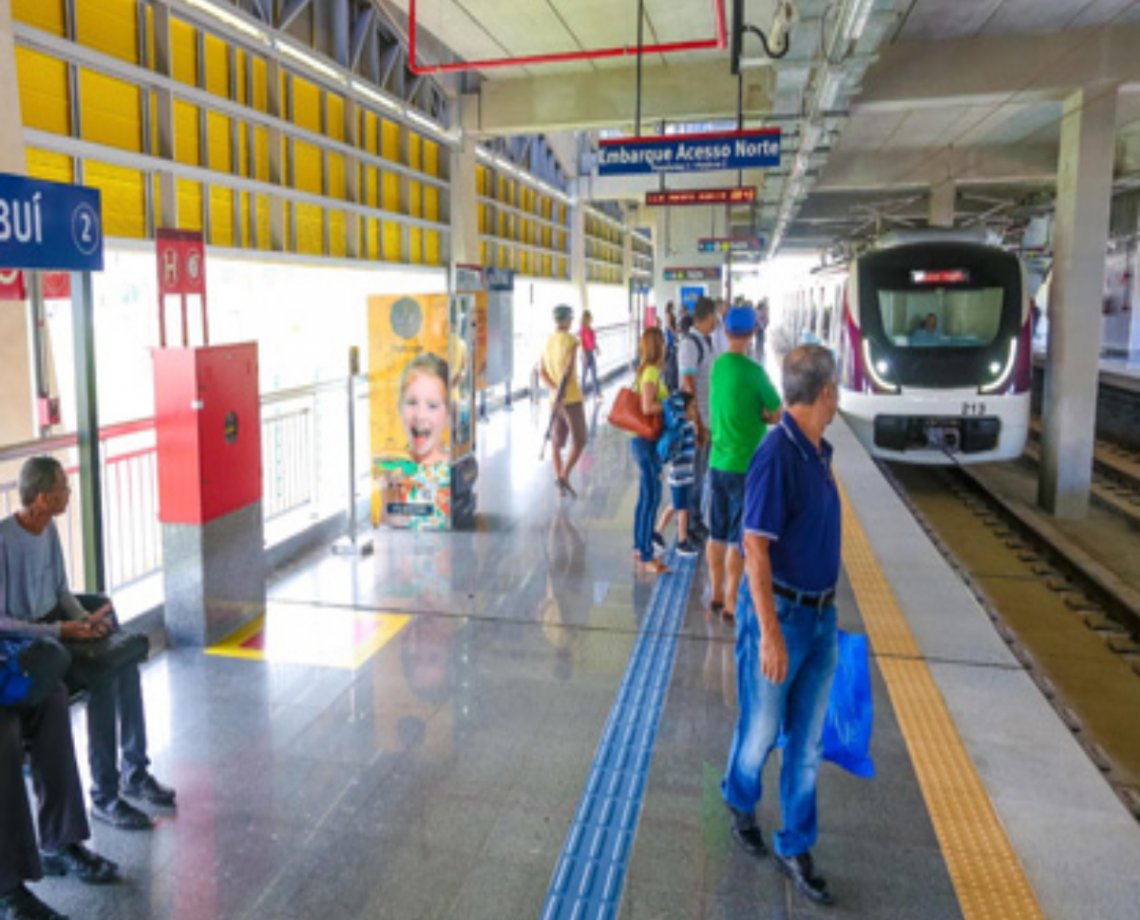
374	95
858	13
231	19
315	64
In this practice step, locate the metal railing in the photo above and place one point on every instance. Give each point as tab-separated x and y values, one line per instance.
304	470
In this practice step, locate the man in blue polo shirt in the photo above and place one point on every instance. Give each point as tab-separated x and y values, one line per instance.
786	644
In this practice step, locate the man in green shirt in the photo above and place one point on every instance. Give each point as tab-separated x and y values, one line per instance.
742	401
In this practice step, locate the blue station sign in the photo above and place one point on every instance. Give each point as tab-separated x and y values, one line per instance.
673	153
49	225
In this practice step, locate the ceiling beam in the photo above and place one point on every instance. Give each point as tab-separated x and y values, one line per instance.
567	101
994	69
872	170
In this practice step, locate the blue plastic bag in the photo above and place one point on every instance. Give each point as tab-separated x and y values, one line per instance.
850	710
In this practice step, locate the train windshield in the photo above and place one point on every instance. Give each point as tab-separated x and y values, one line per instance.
941	315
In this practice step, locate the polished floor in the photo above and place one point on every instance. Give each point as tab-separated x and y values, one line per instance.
429	763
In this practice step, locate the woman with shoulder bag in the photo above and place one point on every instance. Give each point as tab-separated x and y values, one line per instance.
648	384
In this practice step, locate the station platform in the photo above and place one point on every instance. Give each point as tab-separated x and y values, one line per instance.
414	734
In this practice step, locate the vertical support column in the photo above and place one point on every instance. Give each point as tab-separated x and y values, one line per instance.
463	204
578	275
87	430
352	185
942	196
276	155
1084	190
16	422
167	215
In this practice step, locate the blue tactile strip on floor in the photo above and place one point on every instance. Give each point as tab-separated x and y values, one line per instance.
590	873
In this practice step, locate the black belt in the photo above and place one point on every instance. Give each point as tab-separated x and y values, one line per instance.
804	599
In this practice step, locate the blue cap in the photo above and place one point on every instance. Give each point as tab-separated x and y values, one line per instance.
739	321
563	313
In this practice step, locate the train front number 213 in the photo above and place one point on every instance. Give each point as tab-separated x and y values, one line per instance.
973	408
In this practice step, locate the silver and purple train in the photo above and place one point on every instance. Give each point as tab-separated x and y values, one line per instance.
933	337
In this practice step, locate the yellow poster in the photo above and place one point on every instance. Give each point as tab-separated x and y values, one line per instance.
411	411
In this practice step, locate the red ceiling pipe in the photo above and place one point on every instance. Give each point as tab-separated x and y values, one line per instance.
718	43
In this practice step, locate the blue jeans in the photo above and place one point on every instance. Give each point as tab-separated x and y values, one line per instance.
726	505
590	366
648	498
798	705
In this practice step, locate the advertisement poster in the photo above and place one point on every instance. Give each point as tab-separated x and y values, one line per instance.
408	352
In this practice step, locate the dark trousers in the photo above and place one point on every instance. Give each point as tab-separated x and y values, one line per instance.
115	721
590	366
44	732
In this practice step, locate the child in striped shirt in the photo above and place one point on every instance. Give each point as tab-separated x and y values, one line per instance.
681	480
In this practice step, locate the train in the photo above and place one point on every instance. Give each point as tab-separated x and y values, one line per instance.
932	333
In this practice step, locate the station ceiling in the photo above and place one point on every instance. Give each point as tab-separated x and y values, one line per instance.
927	92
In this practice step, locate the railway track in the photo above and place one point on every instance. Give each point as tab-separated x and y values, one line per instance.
1116	474
1071	621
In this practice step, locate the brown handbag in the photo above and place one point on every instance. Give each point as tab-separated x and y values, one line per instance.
626	414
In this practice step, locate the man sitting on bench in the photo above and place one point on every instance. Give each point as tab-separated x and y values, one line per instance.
44	731
34	589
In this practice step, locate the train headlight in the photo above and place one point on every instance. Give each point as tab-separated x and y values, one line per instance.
879	371
1000	372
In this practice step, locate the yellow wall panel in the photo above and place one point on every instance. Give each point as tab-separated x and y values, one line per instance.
390	140
189	205
43	91
109	26
371	238
480	180
54	167
431	202
217	67
334	106
184	51
338	233
415	199
43	14
187	134
219	151
370	133
390	188
432	248
241	65
110	112
391	242
260	99
306	105
221	216
310	229
245	221
242	151
416	245
370	187
431	157
261	154
261	219
337	187
307	167
123	198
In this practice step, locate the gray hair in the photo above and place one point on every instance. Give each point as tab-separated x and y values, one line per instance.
37	476
807	370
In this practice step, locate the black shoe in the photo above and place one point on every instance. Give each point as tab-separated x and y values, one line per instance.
746	832
687	548
122	815
146	787
21	904
800	870
75	859
658	542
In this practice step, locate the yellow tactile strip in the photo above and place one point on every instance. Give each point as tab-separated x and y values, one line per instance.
987	875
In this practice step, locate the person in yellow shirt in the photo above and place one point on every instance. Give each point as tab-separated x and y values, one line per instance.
558	369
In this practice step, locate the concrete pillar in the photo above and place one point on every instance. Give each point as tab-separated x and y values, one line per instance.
578	274
464	204
941	212
16	422
1080	238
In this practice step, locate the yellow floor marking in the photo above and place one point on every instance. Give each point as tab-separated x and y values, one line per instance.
330	637
984	868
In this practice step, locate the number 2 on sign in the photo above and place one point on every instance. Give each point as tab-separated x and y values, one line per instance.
973	408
